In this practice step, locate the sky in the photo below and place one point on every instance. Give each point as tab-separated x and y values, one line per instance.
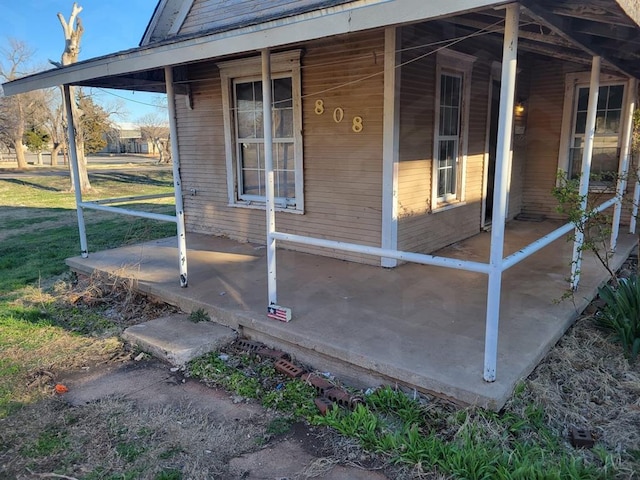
109	26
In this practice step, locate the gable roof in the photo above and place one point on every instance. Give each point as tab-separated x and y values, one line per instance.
170	16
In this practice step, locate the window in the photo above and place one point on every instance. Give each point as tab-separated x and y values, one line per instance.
451	120
244	134
606	145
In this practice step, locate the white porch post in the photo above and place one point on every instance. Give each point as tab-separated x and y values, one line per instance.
177	181
73	154
503	155
269	176
391	129
590	131
625	161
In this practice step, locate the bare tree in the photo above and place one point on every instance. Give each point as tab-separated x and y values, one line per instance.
155	127
73	31
15	110
53	123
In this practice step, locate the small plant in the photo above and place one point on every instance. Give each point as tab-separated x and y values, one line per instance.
47	443
129	451
199	315
621	314
294	397
171	474
580	210
279	426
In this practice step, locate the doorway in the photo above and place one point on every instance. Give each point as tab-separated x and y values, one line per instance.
492	147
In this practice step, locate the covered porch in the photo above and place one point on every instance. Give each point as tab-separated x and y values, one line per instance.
416	325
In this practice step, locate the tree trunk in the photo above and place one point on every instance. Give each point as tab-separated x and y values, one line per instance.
20	157
55	151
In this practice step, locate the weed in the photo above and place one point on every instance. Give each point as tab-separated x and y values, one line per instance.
199	315
170	452
621	314
171	474
129	451
48	442
279	426
294	397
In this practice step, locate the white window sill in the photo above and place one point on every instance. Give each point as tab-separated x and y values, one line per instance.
442	207
257	206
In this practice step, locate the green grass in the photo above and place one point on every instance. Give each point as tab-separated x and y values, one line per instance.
38	231
483	445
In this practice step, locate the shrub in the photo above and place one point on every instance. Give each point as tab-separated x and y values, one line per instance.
621	314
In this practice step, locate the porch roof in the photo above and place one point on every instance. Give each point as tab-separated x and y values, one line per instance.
560	28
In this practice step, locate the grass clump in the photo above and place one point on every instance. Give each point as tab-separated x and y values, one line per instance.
621	314
199	315
471	443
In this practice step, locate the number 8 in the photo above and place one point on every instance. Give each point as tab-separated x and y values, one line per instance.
357	126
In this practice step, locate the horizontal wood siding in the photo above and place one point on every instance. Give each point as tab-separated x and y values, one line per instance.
544	122
420	229
342	169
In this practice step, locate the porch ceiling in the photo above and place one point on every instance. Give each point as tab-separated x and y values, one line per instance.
569	31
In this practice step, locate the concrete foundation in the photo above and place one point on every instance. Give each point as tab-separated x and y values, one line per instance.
415	325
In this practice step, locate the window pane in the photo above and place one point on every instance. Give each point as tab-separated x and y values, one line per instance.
612	122
244	97
583	99
616	93
449	121
283	157
252	182
581	122
250	158
246	125
446	168
282	93
283	123
603	97
285	184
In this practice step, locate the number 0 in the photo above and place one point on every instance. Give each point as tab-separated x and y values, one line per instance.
338	115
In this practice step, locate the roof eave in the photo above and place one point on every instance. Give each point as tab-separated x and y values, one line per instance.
356	16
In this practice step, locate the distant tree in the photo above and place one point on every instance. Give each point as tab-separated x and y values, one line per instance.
54	123
15	110
155	127
36	139
94	123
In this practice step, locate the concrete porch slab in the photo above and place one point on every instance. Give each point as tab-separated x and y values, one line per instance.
176	339
416	325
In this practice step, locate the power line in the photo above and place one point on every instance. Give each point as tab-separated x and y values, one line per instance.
129	99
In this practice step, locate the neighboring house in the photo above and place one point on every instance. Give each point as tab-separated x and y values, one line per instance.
390	120
125	137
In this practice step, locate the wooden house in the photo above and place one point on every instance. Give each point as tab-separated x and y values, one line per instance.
396	127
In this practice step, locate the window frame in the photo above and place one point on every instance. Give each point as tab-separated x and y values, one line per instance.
283	65
573	83
455	64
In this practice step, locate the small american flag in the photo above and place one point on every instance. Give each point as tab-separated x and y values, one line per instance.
279	313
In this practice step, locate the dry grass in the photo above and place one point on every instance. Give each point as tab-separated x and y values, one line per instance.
586	382
115	438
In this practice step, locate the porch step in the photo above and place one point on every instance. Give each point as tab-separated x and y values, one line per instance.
176	339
